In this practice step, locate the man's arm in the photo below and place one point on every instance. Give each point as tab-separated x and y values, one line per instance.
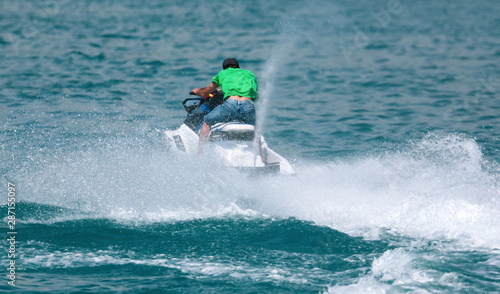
204	92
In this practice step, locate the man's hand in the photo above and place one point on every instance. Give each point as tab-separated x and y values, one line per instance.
196	91
204	92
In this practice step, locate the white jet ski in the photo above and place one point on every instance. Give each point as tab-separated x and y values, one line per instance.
234	143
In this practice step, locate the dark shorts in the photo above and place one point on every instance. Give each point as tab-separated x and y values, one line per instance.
230	110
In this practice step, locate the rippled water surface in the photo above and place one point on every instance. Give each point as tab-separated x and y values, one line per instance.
388	110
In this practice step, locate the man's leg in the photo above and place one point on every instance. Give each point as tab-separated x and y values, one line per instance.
204	131
222	113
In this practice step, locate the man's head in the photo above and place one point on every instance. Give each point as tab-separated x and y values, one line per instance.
230	62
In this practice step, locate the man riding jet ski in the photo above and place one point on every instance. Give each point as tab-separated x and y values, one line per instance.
240	92
227	123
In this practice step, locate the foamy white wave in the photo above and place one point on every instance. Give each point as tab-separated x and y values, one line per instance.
437	188
391	271
231	210
122	181
401	270
197	267
364	285
395	266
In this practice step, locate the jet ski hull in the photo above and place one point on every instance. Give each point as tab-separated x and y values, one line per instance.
253	156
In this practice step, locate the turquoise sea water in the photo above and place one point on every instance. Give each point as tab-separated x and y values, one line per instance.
388	110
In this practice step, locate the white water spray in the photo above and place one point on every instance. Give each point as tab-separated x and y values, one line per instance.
285	44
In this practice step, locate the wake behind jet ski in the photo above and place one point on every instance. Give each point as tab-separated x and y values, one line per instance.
235	143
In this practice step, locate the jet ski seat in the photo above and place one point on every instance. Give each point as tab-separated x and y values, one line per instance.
232	131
